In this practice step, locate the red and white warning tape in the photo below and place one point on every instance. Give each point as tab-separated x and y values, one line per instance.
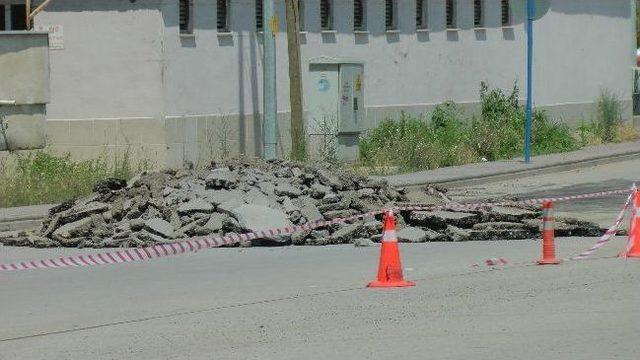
613	230
418	207
169	249
205	242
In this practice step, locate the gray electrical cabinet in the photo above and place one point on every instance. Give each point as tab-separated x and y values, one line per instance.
350	108
334	96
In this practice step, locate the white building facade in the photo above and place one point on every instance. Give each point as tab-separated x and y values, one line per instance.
177	81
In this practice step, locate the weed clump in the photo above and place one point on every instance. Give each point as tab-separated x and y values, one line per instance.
41	177
607	126
447	138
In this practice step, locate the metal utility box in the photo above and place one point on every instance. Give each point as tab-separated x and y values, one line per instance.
334	95
350	108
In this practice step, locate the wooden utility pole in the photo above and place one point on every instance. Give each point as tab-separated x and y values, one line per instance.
27	14
298	141
270	111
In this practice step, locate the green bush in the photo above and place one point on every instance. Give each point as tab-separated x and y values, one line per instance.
497	132
449	139
608	115
40	177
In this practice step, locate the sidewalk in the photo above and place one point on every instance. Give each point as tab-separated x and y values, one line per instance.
478	173
23	217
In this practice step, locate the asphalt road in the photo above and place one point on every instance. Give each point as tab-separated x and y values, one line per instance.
613	176
310	302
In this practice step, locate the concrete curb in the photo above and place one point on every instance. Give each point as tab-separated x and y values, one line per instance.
481	173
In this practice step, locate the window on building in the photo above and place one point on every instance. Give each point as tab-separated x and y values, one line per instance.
259	15
326	15
506	13
301	14
185	16
391	14
222	20
478	13
2	19
422	14
359	15
18	17
451	14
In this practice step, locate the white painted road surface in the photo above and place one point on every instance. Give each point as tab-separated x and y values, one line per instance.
311	303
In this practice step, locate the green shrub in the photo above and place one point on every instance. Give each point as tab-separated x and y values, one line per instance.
498	131
608	115
548	136
449	139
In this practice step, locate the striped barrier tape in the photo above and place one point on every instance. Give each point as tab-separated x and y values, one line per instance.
609	234
169	249
205	242
418	207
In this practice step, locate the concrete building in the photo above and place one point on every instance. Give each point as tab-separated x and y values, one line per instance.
175	81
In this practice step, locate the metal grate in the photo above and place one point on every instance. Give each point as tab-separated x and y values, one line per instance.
451	14
478	16
506	13
390	14
259	15
421	14
326	15
185	16
222	15
358	15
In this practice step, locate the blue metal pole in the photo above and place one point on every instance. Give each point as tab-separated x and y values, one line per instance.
531	9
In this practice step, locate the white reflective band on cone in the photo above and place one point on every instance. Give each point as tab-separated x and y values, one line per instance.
389	236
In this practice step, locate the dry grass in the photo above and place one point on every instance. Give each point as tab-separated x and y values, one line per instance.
626	132
42	178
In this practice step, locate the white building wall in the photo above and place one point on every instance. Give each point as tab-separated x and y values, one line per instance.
106	83
581	47
183	96
111	64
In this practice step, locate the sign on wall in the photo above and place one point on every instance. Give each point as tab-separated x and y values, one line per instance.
56	35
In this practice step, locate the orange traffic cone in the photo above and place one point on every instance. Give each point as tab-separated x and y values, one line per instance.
548	244
390	268
633	244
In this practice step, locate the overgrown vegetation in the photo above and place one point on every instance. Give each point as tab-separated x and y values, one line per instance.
607	126
41	177
415	143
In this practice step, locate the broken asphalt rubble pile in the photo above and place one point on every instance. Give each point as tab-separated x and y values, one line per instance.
248	195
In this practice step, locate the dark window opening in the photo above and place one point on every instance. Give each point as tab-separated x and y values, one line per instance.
506	13
451	14
326	15
478	13
259	15
222	21
390	15
359	18
2	28
185	17
301	14
421	14
18	17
